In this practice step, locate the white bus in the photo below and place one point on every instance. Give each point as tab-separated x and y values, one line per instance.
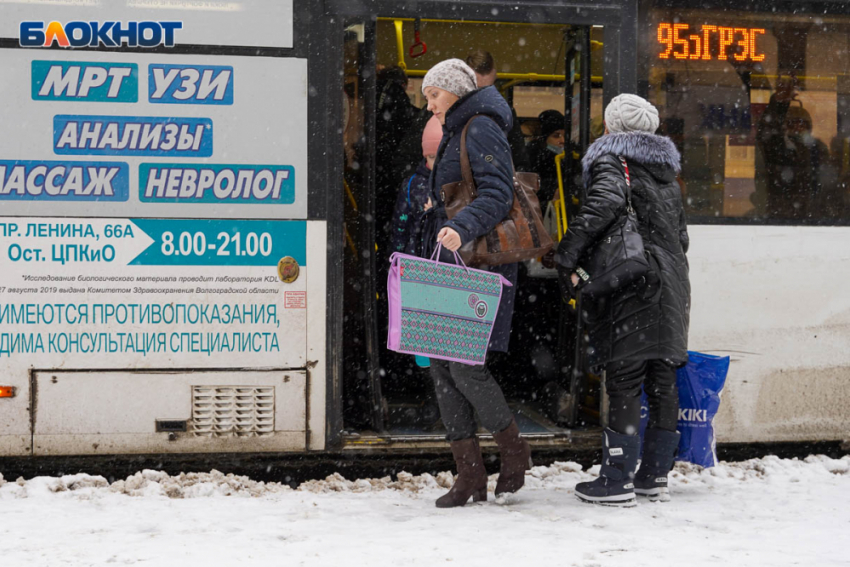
192	235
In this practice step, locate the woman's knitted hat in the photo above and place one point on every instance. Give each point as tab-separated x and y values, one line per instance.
452	75
432	136
631	113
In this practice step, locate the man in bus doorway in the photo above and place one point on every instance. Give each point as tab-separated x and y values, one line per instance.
484	65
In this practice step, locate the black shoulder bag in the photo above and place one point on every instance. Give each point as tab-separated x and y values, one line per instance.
618	258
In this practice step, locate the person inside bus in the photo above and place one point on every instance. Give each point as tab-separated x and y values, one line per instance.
394	117
410	206
542	151
793	162
463	390
413	195
484	65
535	321
639	333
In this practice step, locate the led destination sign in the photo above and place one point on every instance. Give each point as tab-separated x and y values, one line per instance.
739	44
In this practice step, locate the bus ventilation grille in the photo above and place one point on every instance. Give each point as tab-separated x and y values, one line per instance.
233	411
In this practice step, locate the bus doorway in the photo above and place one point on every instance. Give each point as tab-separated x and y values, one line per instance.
551	75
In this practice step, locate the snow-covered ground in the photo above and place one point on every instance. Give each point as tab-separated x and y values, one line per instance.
760	512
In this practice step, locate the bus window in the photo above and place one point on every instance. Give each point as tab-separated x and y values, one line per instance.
530	101
758	105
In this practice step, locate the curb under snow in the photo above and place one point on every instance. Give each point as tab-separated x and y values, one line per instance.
558	476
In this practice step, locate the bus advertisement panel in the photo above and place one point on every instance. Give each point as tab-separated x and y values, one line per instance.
142	201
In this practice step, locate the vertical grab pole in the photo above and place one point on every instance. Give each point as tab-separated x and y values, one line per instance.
578	376
561	211
569	329
399	42
373	348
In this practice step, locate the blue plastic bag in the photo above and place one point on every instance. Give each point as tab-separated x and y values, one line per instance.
700	383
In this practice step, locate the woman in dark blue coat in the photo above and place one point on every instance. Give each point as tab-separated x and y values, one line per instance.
462	390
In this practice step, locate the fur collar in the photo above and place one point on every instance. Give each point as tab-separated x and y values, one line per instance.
641	147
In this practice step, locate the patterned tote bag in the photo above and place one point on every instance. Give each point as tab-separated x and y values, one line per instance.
441	310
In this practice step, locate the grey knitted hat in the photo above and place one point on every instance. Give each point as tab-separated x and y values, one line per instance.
451	75
631	113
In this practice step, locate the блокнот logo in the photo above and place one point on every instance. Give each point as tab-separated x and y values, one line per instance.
95	34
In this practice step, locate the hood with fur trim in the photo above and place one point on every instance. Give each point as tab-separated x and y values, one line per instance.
656	153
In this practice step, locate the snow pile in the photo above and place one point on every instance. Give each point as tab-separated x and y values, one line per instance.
406	482
766	511
561	476
84	485
833	466
194	485
558	475
769	469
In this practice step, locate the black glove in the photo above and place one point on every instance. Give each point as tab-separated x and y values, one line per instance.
568	290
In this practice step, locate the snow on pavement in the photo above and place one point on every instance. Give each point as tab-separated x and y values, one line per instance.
766	511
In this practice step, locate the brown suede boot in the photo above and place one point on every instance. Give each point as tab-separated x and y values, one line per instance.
516	459
471	476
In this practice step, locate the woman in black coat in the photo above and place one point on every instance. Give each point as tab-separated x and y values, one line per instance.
640	332
462	390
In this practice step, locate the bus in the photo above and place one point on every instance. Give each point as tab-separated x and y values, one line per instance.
195	199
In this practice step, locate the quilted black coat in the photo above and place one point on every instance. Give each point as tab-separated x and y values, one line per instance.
649	319
490	158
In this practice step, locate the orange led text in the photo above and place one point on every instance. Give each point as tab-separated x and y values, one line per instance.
739	44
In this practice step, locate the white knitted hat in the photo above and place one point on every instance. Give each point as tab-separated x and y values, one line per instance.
451	75
631	113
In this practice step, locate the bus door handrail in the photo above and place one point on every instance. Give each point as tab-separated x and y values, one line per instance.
561	211
399	42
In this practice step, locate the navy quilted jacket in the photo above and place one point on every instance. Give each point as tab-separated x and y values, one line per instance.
492	170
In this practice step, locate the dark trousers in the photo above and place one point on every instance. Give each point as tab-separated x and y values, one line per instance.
462	390
623	380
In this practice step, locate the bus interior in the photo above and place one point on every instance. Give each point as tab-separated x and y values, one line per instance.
387	397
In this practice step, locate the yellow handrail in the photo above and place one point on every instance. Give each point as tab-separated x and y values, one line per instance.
515	76
350	195
561	215
399	42
349	240
523	76
432	20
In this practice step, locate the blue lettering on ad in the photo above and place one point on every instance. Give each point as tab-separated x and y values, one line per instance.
190	84
132	136
64	181
190	183
89	82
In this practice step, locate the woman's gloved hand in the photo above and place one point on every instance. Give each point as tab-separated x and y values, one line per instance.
568	281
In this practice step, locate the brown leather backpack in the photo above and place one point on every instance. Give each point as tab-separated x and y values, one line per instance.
520	236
